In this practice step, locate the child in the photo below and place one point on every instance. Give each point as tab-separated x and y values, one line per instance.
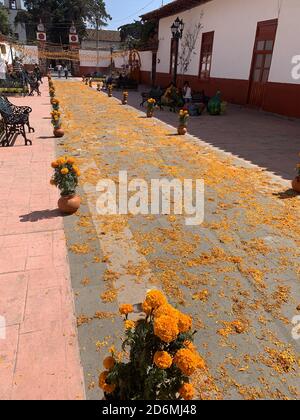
34	85
187	93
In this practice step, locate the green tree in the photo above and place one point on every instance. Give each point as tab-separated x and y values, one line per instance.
137	34
58	15
4	22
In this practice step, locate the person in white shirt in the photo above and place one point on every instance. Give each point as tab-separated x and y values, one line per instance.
59	70
187	93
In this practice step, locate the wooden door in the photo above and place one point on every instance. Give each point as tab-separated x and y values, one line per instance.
262	60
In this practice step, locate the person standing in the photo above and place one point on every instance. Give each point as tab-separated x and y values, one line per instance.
59	70
187	93
66	71
38	74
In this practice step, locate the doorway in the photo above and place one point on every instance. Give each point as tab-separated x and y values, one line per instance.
261	62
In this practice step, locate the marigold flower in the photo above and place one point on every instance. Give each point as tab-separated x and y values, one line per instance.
155	299
184	323
54	165
189	345
187	361
109	363
166	328
146	308
109	389
64	171
167	310
163	360
187	391
129	325
71	160
61	161
126	309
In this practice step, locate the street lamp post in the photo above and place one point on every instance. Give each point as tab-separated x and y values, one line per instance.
177	33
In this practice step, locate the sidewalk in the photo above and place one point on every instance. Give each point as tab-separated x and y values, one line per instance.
39	358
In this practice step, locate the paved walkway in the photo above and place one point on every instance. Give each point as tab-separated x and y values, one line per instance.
39	358
266	140
237	274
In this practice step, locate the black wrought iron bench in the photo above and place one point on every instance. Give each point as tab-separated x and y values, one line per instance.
15	118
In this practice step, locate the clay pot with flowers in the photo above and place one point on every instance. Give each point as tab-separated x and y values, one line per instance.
110	91
125	98
183	120
151	103
55	104
296	181
66	174
56	122
52	92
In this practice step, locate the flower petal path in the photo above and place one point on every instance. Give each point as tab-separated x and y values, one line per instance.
237	274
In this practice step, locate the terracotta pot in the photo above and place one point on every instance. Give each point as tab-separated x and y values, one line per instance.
149	114
296	184
182	130
58	132
69	204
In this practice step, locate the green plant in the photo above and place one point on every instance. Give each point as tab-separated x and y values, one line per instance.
66	175
151	103
162	355
56	120
183	117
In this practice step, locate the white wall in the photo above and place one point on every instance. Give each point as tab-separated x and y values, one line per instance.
287	43
235	23
89	58
146	59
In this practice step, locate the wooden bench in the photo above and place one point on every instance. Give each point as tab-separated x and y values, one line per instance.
14	118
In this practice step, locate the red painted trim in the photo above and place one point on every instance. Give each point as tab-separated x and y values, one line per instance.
280	98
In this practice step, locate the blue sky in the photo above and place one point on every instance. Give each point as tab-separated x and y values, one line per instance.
125	11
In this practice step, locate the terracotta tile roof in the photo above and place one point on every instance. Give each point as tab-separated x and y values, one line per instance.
108	36
173	8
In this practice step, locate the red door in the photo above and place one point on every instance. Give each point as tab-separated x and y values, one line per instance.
262	60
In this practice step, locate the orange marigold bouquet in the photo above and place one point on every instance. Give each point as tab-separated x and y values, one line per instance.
66	174
162	355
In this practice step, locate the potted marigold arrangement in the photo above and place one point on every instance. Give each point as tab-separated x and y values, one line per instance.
125	98
150	107
56	122
66	174
162	356
110	90
55	104
296	181
90	82
183	120
52	92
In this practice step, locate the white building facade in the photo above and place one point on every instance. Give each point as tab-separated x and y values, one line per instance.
249	50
